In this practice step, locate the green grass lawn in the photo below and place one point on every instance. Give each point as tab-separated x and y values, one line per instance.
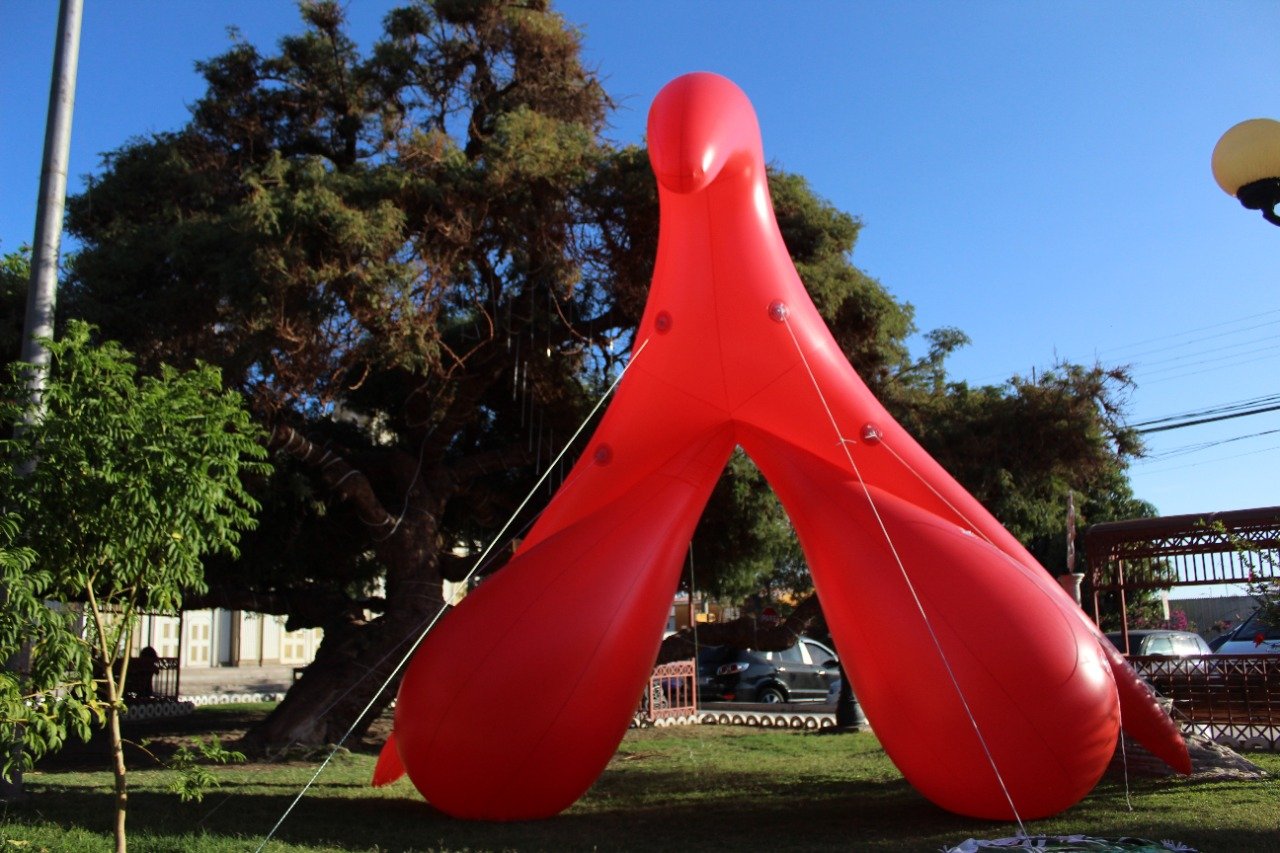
698	787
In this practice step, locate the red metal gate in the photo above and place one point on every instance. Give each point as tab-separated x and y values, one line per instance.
671	695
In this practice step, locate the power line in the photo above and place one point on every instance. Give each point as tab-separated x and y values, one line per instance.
1216	461
1199	329
1181	344
1236	358
1179	341
1221	408
1250	346
1188	449
1208	420
1216	369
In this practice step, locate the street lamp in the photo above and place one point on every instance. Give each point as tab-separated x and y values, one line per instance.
1246	164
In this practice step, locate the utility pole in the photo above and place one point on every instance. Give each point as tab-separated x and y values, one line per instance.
42	291
1071	580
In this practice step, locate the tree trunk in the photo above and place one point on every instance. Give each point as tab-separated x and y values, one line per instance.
359	657
117	760
347	686
846	704
745	632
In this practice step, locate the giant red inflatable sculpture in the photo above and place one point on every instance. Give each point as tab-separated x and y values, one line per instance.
985	683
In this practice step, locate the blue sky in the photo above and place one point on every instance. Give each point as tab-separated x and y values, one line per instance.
1035	174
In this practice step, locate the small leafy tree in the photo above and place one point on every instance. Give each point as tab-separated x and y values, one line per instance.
190	764
136	480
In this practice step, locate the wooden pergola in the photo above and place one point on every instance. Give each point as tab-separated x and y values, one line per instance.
1207	548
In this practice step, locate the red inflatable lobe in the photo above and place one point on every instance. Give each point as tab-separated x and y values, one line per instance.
985	683
519	698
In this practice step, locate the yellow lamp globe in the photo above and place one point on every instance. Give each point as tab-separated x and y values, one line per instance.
1246	164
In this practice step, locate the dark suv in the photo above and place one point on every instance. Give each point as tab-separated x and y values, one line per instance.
802	673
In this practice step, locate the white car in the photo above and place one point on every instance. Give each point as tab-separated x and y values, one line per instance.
1253	637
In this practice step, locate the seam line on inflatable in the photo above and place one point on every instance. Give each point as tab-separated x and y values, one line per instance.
897	558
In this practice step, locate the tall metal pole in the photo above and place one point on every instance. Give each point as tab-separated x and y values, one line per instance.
42	291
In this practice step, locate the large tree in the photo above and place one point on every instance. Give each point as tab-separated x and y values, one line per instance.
421	266
382	253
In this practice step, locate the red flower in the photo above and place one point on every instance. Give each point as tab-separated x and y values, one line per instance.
1258	638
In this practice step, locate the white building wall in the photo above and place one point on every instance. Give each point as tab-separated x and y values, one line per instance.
236	638
223	638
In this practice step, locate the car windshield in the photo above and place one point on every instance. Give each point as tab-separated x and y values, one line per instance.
1168	643
1253	626
1187	646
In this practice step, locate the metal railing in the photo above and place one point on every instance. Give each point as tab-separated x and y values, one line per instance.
671	695
1233	699
156	682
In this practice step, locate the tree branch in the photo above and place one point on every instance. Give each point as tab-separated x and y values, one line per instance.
745	632
461	473
348	483
306	607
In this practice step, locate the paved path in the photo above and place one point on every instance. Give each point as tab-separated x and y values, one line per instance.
234	680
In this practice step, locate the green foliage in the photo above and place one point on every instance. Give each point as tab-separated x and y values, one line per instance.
15	280
1263	585
1020	447
138	477
136	480
46	690
744	542
191	763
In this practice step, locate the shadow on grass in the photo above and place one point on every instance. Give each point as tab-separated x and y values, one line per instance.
704	808
733	812
729	811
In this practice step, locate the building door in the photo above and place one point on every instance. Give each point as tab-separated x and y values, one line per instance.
198	642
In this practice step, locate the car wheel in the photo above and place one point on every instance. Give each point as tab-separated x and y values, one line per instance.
770	696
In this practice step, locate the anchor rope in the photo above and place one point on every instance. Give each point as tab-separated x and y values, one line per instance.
1124	752
937	643
959	514
431	623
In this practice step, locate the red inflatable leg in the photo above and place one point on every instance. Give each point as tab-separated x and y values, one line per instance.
974	666
521	695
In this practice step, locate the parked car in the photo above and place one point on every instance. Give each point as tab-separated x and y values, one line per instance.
1154	641
1153	644
1253	637
802	673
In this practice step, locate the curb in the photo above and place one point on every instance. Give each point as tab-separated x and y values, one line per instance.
232	698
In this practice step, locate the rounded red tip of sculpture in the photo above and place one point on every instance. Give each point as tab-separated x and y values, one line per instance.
698	123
